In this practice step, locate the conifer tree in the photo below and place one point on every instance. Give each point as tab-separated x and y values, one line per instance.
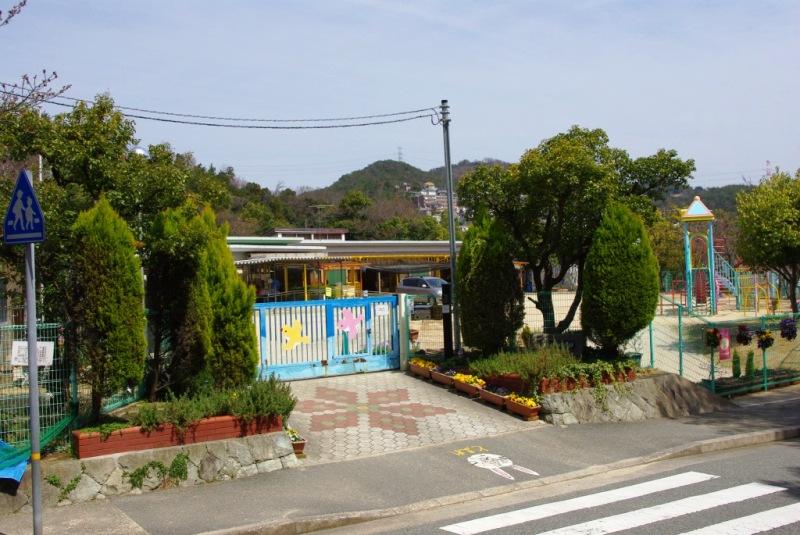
620	280
233	357
105	302
178	300
490	294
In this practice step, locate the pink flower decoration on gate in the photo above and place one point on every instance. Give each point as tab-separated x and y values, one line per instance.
350	323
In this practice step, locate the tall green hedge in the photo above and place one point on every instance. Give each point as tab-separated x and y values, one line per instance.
489	290
178	300
234	356
620	291
105	303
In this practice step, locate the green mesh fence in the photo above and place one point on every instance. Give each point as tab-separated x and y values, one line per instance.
544	309
54	407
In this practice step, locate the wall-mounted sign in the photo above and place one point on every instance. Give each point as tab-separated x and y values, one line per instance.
19	353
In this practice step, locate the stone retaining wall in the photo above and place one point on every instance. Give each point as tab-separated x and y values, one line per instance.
108	475
664	395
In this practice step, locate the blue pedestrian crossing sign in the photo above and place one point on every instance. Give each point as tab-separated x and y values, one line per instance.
24	222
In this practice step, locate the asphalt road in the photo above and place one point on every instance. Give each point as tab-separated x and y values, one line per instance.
748	490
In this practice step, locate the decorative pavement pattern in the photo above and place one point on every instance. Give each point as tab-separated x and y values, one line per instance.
369	414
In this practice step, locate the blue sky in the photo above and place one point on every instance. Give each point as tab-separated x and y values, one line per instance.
717	81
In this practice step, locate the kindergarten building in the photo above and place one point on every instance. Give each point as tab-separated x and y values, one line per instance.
308	264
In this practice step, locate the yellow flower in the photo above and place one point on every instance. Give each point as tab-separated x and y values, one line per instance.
422	363
469	379
529	402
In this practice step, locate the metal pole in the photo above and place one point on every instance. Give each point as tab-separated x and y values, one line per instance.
652	353
33	387
713	373
680	340
445	109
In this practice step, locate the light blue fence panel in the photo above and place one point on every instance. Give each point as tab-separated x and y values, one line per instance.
305	339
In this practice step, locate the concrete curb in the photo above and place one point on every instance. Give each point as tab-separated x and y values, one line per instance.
335	520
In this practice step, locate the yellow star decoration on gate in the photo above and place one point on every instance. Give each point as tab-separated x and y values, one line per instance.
294	336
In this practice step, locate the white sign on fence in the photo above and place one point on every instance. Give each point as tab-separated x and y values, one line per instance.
382	309
19	353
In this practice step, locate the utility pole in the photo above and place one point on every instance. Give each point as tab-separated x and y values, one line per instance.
445	110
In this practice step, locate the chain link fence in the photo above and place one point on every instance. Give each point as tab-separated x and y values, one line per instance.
55	410
676	342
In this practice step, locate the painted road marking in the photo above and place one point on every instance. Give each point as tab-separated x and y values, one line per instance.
757	523
512	518
666	511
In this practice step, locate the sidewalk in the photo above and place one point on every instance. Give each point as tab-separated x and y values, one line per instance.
290	501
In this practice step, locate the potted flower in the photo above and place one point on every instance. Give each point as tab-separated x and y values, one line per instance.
421	367
443	377
788	329
298	442
743	335
496	395
765	339
469	384
712	338
525	406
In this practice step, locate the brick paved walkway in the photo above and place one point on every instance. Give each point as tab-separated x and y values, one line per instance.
370	414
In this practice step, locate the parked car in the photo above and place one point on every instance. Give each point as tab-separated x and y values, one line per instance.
428	288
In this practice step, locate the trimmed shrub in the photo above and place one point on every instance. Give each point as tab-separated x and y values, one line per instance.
234	356
737	364
620	281
750	365
490	295
105	303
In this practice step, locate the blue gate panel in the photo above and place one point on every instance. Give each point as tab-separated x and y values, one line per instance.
305	339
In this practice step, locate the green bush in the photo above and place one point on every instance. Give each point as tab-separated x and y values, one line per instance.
105	294
530	365
255	400
737	364
620	280
490	295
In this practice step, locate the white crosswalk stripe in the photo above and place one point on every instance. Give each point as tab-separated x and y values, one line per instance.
537	512
657	513
756	523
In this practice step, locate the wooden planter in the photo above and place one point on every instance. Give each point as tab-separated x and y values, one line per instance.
528	414
472	391
419	371
491	397
135	439
441	378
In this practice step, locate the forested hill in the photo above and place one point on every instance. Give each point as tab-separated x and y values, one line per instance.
716	198
384	178
380	179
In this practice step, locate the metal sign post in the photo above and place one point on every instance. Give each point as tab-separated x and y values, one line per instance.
24	224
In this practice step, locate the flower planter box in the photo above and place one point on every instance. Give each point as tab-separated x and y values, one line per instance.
491	397
631	374
472	391
510	381
135	439
441	378
528	414
419	371
298	447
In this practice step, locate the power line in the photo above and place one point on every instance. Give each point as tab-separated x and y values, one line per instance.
399	116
